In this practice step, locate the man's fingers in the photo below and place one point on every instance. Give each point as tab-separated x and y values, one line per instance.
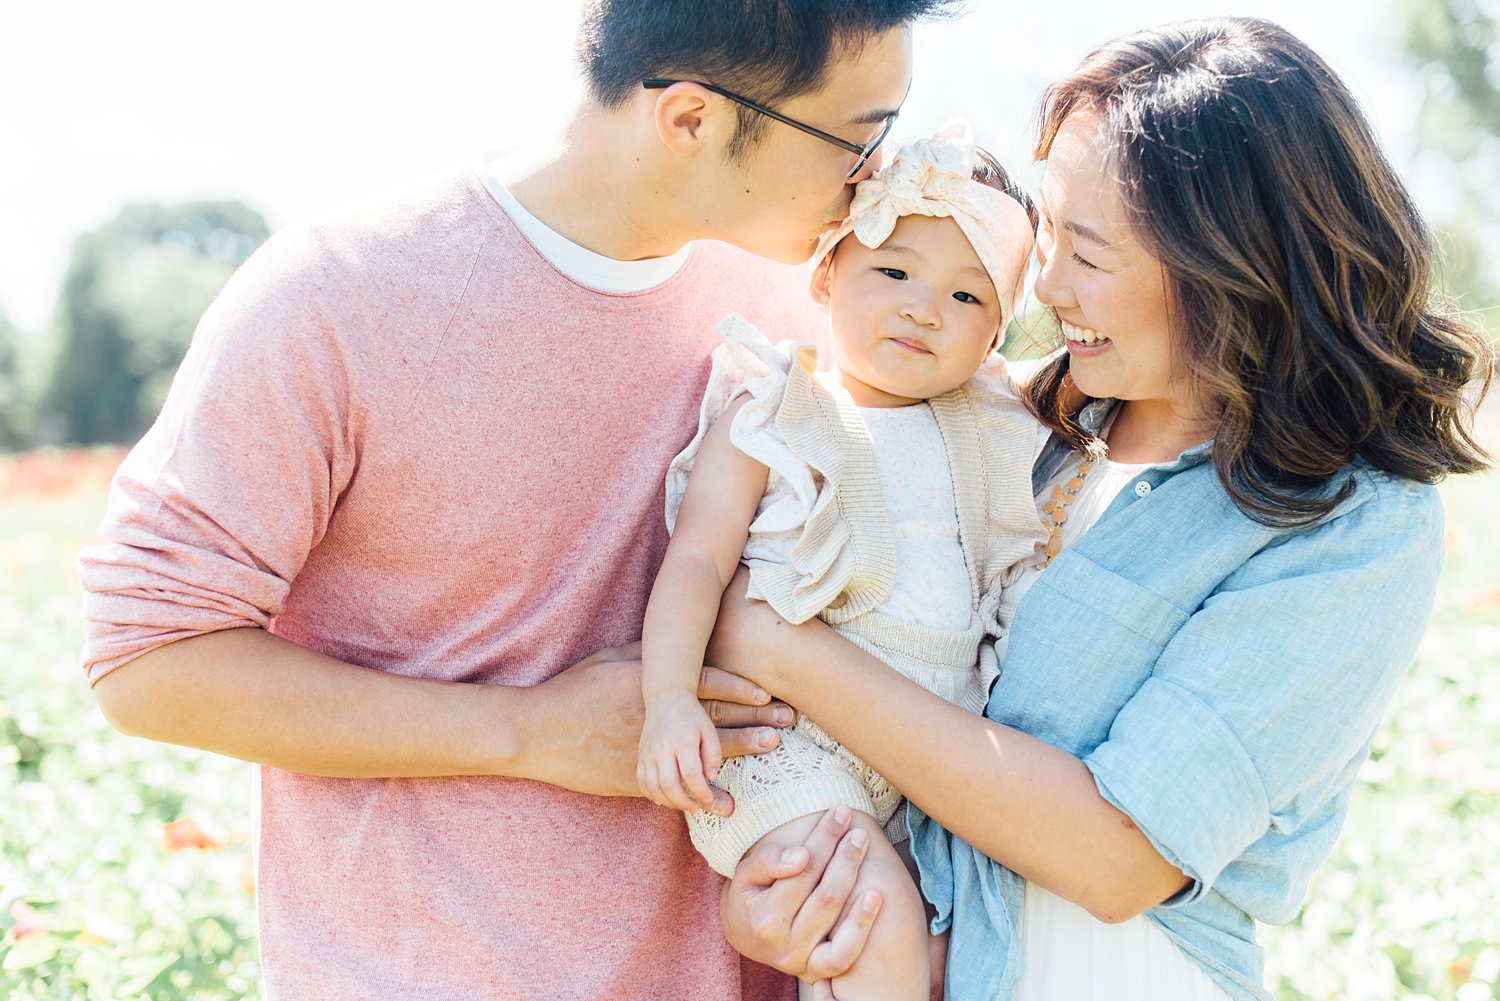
725	687
726	715
837	955
749	740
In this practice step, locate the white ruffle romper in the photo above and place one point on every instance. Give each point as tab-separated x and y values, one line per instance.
870	517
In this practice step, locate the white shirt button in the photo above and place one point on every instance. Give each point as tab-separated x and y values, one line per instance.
1142	488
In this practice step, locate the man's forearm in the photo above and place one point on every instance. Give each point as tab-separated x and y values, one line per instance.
255	696
252	695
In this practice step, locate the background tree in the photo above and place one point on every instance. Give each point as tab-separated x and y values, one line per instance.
1455	48
13	416
134	290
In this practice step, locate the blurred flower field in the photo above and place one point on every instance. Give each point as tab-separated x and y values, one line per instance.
125	866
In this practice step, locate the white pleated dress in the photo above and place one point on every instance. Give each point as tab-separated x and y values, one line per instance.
1070	954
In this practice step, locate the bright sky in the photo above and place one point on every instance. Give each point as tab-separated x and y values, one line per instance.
304	108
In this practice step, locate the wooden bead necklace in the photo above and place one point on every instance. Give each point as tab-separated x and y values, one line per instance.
1056	510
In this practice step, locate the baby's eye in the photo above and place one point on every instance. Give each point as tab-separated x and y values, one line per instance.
895	273
964	297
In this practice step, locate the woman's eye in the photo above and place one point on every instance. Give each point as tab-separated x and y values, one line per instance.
1085	264
895	273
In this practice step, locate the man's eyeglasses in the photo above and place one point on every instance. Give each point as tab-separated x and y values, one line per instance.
861	153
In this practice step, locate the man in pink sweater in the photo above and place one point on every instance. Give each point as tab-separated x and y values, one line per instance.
410	478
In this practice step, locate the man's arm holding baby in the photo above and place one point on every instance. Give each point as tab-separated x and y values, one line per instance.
256	696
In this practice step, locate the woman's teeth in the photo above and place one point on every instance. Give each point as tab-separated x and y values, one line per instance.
1083	335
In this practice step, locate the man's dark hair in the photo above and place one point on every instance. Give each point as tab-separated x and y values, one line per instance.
768	50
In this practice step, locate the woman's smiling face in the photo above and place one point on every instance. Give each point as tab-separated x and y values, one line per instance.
1107	289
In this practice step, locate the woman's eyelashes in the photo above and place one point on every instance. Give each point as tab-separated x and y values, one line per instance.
1048	232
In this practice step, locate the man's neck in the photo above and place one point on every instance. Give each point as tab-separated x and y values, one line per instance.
596	185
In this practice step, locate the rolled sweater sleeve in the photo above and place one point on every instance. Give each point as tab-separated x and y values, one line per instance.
213	513
1244	741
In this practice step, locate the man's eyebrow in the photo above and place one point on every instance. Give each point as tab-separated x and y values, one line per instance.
874	117
881	115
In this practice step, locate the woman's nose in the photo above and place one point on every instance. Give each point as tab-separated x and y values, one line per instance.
1050	288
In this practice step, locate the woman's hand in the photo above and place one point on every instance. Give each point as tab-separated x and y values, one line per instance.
782	907
679	753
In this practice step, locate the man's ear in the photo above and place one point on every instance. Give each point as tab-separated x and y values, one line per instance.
688	117
820	285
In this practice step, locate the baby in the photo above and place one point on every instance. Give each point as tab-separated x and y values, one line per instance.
890	497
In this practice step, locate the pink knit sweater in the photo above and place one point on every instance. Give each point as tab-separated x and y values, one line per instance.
408	442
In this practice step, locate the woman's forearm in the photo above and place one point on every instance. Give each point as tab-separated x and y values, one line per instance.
1027	804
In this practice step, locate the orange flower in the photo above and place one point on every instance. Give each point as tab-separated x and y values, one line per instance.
28	921
1484	601
186	833
246	875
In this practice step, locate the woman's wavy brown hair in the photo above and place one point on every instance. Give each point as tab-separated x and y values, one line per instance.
1299	270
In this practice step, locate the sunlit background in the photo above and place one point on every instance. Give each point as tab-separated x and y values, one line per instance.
124	865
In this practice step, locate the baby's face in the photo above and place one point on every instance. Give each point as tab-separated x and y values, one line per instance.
912	318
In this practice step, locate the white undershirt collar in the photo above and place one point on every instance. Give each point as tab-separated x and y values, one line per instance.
604	274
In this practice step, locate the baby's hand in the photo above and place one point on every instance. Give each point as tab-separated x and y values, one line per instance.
679	754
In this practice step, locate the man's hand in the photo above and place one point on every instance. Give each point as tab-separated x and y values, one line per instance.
582	727
782	907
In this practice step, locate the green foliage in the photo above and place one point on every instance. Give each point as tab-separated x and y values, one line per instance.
1409	905
133	293
82	826
12	398
1452	45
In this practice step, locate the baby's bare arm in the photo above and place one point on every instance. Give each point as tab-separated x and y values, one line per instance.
680	753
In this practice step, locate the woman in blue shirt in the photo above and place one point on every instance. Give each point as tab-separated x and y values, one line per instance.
1243	548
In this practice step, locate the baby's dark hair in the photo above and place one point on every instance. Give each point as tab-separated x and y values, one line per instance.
992	174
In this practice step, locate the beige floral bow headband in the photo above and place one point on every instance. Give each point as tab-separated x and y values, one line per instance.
934	177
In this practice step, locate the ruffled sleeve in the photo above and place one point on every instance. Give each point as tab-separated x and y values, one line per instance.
747	364
820	536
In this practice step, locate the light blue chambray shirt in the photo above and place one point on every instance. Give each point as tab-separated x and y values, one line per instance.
1222	680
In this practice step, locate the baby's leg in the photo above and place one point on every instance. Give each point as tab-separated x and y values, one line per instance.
937	945
894	963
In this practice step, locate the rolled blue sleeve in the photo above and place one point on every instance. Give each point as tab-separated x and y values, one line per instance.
1247	732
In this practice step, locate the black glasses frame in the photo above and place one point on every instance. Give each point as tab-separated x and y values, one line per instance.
861	153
